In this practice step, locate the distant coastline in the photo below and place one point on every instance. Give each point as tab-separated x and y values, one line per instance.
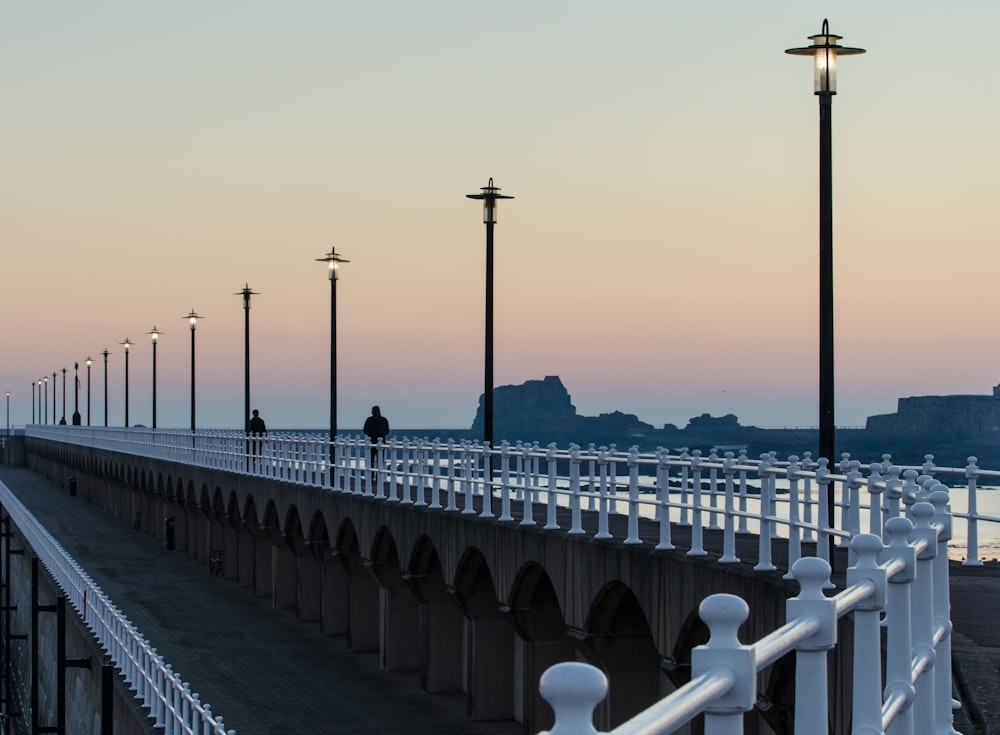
952	428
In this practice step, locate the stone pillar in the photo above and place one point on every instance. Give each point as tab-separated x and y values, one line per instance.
336	617
310	581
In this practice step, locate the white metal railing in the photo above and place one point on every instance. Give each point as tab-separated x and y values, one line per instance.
171	703
773	498
906	579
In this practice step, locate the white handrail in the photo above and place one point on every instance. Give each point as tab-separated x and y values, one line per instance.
682	488
171	702
893	578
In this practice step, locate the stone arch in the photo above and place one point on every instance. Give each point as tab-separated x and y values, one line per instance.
260	565
542	640
334	597
693	633
285	558
442	625
619	640
489	664
362	590
399	609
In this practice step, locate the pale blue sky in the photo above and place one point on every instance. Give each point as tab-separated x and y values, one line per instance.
660	255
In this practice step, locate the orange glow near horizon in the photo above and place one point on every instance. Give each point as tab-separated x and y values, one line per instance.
660	255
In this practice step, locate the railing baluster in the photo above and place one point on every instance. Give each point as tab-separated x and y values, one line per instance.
764	522
813	574
729	532
633	497
552	491
972	522
505	482
663	498
697	543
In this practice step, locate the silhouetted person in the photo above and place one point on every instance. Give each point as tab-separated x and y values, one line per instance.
376	429
257	423
257	428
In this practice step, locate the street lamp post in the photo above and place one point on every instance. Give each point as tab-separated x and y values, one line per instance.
46	379
63	419
105	353
8	419
193	321
246	293
32	401
76	394
154	335
824	53
333	260
127	343
43	415
55	399
489	196
90	362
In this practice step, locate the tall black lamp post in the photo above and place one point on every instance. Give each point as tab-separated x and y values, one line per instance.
489	196
90	362
126	344
193	321
105	353
333	260
76	394
43	415
55	399
154	335
246	293
46	403
824	53
8	418
63	419
32	401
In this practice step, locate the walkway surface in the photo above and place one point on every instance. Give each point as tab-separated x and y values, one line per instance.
267	673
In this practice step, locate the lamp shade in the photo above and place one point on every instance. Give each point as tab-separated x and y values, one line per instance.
825	51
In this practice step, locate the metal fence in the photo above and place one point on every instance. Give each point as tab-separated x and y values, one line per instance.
773	498
906	579
171	703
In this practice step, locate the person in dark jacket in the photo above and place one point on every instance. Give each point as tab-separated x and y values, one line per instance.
376	429
257	429
257	425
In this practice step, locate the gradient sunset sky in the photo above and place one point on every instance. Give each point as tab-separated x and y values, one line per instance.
660	255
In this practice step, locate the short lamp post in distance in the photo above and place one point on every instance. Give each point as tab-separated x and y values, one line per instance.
489	195
76	394
333	261
193	323
154	335
105	353
126	344
824	53
90	362
246	292
8	419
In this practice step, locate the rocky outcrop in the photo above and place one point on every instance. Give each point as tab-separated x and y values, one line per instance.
536	410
